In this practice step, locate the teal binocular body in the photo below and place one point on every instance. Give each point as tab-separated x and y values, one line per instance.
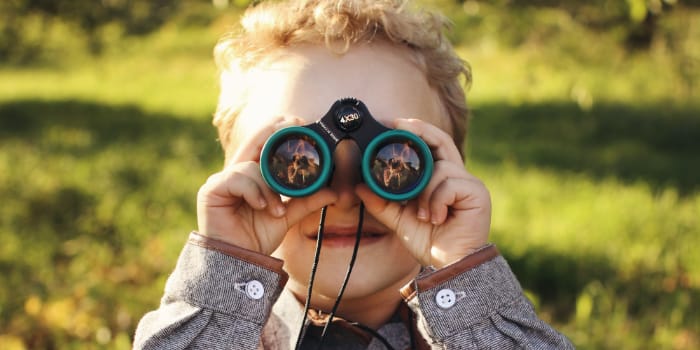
297	161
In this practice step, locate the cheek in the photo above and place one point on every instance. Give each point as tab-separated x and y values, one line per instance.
399	261
288	245
296	252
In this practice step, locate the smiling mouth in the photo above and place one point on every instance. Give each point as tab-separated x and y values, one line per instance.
346	238
331	235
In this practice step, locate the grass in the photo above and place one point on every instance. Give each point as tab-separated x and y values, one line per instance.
593	166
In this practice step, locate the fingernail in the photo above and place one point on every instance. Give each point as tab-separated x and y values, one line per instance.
262	202
422	214
434	220
280	210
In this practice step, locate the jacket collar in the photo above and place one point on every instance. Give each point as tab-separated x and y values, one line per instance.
286	318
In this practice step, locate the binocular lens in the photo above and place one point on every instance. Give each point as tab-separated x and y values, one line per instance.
295	162
396	167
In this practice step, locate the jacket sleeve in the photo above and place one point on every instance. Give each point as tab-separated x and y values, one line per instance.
218	297
477	303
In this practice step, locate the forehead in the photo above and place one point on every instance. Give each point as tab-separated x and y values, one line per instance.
305	81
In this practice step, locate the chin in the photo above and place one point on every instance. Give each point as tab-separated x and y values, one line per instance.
370	275
382	264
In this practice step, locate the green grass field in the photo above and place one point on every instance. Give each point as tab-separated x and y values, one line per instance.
593	163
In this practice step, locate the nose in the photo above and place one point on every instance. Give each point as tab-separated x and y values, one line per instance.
346	174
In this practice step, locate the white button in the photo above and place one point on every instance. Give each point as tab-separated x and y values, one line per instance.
254	289
446	298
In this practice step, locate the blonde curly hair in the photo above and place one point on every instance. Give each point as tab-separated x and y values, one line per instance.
339	24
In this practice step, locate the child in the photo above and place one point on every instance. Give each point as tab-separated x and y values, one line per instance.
242	279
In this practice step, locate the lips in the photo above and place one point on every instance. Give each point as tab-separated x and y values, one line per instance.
341	236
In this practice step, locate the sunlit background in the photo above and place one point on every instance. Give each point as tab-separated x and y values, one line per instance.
586	129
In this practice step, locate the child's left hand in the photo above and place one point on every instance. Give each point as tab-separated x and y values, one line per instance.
451	218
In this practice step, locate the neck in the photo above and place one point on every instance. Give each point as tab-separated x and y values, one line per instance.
373	313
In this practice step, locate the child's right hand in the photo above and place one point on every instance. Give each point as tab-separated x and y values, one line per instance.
237	207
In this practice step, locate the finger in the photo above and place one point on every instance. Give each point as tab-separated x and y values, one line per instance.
440	142
228	187
457	194
251	146
232	190
387	212
441	200
272	199
442	171
299	208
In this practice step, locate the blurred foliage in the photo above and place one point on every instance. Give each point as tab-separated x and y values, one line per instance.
590	37
636	20
87	236
585	136
86	18
97	21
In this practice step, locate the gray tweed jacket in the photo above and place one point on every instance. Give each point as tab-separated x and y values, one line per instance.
224	297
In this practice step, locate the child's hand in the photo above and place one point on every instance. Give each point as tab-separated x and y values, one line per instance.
237	207
451	218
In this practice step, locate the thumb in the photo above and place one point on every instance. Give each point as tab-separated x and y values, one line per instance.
298	208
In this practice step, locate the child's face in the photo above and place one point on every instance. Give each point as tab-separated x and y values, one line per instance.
303	82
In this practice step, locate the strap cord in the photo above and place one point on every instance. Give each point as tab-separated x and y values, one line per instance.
317	255
358	235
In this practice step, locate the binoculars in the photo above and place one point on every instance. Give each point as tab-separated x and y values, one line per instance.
297	161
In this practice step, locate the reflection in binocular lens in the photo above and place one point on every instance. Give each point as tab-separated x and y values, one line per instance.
396	167
296	163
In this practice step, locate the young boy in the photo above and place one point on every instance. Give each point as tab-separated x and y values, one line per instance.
242	279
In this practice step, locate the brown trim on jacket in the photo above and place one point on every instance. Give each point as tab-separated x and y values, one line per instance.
448	272
255	258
